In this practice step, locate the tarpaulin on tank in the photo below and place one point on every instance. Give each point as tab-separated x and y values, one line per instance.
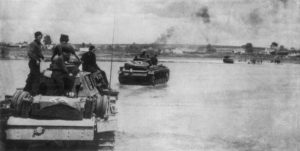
57	107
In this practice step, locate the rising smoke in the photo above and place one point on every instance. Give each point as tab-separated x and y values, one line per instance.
254	18
285	2
164	37
239	22
203	14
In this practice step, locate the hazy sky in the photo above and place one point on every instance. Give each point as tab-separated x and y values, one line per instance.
146	21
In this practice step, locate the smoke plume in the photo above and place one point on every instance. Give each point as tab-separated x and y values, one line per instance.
203	14
163	39
238	22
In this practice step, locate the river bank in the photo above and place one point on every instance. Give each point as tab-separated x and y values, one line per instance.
170	59
17	53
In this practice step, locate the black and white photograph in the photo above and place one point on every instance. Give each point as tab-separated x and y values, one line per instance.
149	75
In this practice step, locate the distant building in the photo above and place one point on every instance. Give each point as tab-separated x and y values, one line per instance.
227	49
167	51
268	51
259	50
13	45
83	49
22	44
294	53
239	50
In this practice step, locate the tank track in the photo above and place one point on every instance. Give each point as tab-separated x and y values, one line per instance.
160	78
155	79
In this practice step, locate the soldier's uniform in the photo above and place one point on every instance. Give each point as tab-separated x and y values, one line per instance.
35	56
89	64
59	74
154	60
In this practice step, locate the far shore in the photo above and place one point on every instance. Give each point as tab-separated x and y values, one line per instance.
164	58
120	56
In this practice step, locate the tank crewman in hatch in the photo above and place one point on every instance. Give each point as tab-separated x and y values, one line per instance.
35	56
64	46
143	54
89	64
154	60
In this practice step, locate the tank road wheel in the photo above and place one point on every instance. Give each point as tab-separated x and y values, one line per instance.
156	81
167	76
159	80
121	80
153	80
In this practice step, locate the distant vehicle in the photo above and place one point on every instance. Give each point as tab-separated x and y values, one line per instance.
140	72
228	59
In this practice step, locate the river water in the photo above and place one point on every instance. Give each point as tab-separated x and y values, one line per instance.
206	105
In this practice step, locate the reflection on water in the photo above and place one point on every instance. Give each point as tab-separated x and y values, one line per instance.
206	105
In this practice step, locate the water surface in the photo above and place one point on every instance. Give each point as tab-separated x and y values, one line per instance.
206	105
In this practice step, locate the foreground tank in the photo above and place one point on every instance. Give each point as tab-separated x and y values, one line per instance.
141	73
87	114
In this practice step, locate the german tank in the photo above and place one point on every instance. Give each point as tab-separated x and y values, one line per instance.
141	72
228	59
87	114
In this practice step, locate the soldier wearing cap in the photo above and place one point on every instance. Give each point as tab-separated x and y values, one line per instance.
64	46
35	55
61	54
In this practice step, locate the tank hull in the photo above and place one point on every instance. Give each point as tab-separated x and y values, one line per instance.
152	76
33	129
21	125
228	60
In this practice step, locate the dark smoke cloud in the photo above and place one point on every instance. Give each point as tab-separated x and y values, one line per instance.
203	14
277	3
284	2
180	9
254	18
163	39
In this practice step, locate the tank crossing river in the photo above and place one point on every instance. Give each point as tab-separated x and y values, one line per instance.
206	105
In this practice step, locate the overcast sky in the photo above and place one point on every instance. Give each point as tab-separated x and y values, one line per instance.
146	21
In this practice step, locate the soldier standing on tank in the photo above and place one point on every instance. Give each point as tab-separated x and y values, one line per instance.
35	55
61	54
60	73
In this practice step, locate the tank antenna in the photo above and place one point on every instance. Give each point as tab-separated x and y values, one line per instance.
112	51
